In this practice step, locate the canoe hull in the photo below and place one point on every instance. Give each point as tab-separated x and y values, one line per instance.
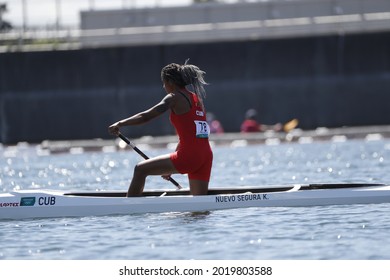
46	203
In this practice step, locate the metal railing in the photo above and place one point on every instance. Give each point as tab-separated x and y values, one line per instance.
70	38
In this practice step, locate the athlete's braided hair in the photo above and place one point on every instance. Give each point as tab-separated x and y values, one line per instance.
184	75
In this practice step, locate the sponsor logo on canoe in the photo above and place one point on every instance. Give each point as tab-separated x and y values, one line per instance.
27	201
9	204
241	197
43	200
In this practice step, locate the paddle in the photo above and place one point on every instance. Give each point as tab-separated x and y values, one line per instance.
131	144
290	125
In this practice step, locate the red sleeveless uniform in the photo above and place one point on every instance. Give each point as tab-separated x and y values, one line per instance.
194	156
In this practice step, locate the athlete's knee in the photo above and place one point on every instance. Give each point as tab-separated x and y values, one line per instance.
140	170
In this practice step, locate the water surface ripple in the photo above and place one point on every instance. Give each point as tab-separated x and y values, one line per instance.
331	232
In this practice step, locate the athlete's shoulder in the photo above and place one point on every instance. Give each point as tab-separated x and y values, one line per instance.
169	98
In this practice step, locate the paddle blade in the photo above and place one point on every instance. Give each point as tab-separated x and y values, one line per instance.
290	125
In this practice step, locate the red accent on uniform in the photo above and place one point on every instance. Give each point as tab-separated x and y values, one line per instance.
194	156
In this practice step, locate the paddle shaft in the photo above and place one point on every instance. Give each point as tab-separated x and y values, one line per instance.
135	148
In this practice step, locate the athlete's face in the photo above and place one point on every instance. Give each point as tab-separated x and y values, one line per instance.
169	87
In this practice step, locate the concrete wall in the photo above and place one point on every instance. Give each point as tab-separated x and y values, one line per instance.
323	81
218	12
214	22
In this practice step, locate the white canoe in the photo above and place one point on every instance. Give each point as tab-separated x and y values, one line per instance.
51	203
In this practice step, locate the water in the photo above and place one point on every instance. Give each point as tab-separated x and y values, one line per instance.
331	232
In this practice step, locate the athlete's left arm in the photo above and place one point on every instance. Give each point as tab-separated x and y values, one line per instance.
164	105
145	116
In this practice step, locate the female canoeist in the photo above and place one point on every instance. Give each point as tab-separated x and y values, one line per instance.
193	155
